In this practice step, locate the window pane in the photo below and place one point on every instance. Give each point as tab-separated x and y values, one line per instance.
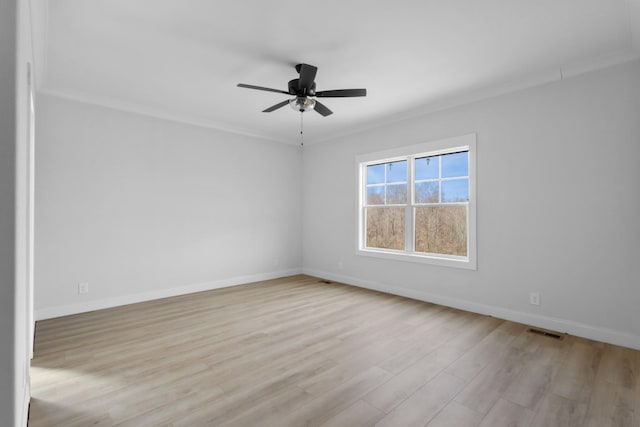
456	164
385	228
375	195
441	229
375	174
427	192
396	194
455	190
426	168
397	171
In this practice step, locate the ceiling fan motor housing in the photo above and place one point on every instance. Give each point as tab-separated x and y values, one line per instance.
293	88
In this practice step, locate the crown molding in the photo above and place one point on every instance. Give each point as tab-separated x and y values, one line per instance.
158	114
531	80
540	78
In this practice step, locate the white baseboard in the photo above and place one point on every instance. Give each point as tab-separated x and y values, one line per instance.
83	307
555	324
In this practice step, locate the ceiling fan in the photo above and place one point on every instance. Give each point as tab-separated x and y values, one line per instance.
304	90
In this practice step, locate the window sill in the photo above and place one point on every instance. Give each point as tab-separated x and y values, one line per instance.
459	262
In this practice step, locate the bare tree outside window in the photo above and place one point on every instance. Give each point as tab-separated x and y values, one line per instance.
442	230
385	228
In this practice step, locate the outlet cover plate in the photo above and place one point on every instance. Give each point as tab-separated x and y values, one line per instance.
534	298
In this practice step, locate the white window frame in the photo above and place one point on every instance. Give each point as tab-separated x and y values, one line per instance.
410	153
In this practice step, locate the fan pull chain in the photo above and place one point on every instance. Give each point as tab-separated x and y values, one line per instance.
301	129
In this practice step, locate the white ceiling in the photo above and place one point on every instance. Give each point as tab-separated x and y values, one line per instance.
183	59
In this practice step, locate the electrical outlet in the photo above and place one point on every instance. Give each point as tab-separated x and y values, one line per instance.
534	298
83	288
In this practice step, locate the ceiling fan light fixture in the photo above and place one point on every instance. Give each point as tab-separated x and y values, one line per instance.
302	104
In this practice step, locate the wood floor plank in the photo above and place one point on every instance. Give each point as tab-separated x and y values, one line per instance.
455	414
425	403
269	412
296	351
611	405
559	411
612	400
535	378
324	407
324	382
477	358
431	340
507	414
578	370
490	385
360	414
400	387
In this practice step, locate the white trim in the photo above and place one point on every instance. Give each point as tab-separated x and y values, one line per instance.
467	143
552	323
432	148
83	307
609	59
26	400
433	259
31	128
534	79
168	115
521	83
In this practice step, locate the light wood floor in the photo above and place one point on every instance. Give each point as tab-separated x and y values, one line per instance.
297	352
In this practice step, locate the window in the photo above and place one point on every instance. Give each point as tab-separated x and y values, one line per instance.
418	203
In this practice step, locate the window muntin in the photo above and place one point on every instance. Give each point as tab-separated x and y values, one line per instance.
419	206
387	183
442	178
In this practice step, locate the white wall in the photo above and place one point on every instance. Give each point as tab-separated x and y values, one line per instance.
15	54
558	207
143	208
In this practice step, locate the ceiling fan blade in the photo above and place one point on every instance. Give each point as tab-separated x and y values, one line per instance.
341	93
262	88
307	77
322	109
275	107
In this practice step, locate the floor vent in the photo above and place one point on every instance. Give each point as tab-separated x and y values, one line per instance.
324	281
546	334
